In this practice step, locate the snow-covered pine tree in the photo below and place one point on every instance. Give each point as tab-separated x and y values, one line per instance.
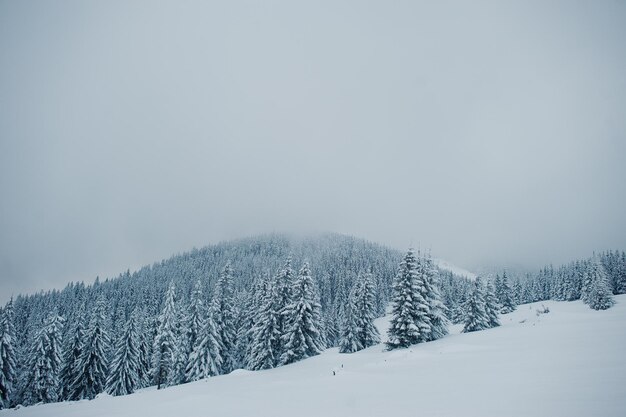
303	337
243	322
476	318
45	362
8	361
124	376
437	310
597	289
72	353
364	310
181	359
93	364
205	360
517	292
223	298
197	312
491	305
265	349
143	372
165	343
283	298
409	309
349	339
620	280
504	294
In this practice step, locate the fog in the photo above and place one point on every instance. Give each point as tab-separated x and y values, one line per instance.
491	133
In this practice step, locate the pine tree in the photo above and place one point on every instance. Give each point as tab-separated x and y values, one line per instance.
437	310
124	376
364	311
349	340
8	361
165	343
283	298
491	305
303	337
409	309
504	294
597	289
196	316
93	365
205	360
45	362
225	318
143	372
620	270
71	357
476	317
265	349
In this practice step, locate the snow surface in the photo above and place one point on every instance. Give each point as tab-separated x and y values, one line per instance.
568	362
445	265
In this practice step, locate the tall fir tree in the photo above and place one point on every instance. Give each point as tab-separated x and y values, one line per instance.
365	311
283	285
164	352
205	360
143	372
597	289
8	358
476	317
124	376
45	362
349	339
72	353
265	350
437	310
197	312
409	314
223	298
504	294
93	364
303	336
491	305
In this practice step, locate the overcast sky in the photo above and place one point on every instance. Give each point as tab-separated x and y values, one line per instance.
493	133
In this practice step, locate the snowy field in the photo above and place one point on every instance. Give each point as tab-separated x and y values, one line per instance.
569	362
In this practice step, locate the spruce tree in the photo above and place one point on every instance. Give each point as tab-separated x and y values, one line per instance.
197	312
225	318
71	357
364	310
265	349
303	337
8	361
124	376
349	340
437	310
283	285
476	317
620	280
143	372
504	294
409	309
597	289
93	365
45	362
491	305
165	342
205	360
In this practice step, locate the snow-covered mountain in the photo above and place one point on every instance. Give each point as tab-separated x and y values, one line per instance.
568	362
456	270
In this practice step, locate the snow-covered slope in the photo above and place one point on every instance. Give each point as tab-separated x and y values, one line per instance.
569	362
447	266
